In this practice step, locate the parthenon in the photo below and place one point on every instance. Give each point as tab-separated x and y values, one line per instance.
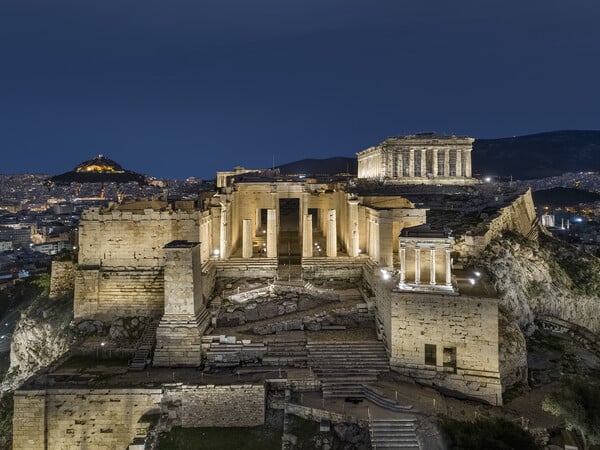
419	159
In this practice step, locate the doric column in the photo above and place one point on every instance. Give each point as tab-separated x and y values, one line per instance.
271	233
468	170
411	163
417	265
400	164
432	266
446	162
331	234
307	237
459	162
224	234
423	162
434	162
374	239
402	263
247	238
386	239
353	237
448	272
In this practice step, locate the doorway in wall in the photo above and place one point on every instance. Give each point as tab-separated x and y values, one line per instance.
289	246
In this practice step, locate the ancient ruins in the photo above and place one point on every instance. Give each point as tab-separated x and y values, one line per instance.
345	279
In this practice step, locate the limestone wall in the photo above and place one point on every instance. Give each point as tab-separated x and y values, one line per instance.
340	268
112	418
236	405
121	260
81	418
123	238
62	279
114	292
466	324
252	268
382	291
519	217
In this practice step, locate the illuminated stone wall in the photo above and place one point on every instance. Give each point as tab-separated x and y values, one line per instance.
112	418
466	325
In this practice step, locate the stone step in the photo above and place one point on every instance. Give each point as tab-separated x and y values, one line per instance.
394	434
284	361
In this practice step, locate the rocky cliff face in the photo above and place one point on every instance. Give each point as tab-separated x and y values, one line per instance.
41	336
512	351
544	277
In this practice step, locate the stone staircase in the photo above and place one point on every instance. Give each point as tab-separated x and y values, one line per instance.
344	367
287	350
393	434
144	347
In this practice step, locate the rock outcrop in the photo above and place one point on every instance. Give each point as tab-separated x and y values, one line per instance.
544	277
512	351
40	337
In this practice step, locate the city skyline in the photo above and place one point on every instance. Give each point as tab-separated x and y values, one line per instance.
189	89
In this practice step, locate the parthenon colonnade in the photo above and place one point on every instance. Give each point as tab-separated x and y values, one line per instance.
418	156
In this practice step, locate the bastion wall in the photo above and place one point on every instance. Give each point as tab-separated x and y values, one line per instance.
112	418
519	217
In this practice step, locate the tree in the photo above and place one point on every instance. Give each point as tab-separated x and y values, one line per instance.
578	403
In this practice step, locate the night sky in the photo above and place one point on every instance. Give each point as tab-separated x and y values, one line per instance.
184	88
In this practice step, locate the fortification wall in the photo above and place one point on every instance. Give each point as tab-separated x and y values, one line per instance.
382	291
62	278
123	238
236	405
81	418
518	217
112	418
463	329
113	292
121	260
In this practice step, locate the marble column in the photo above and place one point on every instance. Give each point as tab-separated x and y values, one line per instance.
386	239
400	164
448	271
468	169
434	162
459	163
374	239
411	163
331	234
224	233
446	162
247	238
402	264
307	237
353	245
423	162
271	233
417	265
432	265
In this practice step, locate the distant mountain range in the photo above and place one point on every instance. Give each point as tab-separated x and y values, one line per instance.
328	166
522	157
538	155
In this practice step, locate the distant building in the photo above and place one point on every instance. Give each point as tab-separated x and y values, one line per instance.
424	158
19	236
548	220
6	246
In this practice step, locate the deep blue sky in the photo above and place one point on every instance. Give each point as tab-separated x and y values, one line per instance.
184	88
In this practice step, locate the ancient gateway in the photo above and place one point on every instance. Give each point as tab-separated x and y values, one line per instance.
162	260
